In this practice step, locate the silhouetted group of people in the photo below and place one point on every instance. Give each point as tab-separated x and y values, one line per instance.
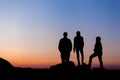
65	47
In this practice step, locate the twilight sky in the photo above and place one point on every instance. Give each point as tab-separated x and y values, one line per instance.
31	29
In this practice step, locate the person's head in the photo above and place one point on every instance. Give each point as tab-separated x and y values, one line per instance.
78	33
65	34
98	38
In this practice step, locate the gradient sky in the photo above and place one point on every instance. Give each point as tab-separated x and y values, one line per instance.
31	29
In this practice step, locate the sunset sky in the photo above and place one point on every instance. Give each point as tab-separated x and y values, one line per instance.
30	30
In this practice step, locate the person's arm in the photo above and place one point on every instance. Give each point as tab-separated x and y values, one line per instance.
101	46
59	45
94	47
70	45
83	41
74	46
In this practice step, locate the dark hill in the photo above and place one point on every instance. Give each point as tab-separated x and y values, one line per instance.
5	65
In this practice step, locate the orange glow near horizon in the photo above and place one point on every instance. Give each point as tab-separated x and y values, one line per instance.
43	61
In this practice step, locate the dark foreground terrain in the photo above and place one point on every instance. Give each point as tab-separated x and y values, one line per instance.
48	74
66	71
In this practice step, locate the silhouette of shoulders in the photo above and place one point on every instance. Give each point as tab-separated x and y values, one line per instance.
65	44
78	41
78	38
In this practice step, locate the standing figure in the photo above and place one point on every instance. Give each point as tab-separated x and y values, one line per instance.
97	52
78	46
65	47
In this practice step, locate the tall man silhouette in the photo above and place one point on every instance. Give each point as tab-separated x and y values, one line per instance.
78	46
97	52
65	47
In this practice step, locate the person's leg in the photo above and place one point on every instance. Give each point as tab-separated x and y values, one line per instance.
90	59
62	58
82	56
100	60
78	58
67	56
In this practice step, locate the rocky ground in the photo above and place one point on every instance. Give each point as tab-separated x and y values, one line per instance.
67	71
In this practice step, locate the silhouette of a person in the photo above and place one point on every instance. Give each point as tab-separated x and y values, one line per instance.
65	47
97	52
78	46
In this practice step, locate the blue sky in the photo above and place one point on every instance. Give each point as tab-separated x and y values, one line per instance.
37	25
